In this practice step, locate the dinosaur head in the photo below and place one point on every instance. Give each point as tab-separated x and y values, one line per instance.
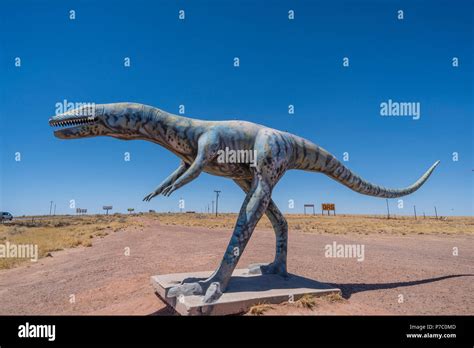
117	120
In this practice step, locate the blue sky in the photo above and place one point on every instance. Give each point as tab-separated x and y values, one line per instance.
282	62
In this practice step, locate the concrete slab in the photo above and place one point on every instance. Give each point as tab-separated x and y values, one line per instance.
244	290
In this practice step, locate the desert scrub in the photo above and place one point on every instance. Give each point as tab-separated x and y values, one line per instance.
306	301
58	233
340	224
333	298
259	309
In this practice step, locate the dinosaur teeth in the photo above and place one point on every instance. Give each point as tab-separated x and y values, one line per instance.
73	122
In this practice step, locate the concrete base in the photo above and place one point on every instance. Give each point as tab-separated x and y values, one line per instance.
244	291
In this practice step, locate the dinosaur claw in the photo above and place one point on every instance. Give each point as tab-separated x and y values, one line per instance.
148	197
213	293
168	190
269	268
185	289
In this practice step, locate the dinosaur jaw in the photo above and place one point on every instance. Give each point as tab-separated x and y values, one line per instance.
72	127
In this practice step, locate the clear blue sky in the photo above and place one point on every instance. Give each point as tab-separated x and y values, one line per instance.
283	62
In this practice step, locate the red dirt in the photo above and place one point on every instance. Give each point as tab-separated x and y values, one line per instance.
105	281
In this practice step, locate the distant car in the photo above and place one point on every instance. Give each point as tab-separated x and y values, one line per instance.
5	216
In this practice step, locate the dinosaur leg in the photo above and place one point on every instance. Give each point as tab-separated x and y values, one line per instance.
168	181
280	226
272	162
254	206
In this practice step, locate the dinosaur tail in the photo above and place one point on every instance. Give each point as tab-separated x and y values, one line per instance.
314	158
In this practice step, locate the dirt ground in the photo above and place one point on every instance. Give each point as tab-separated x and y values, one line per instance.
401	274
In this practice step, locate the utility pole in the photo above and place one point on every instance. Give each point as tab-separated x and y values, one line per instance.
50	207
212	210
388	210
217	199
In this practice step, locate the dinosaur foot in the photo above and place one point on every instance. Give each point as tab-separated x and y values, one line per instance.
269	268
210	290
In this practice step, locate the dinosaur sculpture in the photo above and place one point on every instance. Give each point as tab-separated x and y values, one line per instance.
197	143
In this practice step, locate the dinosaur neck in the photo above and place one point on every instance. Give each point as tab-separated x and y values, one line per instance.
172	131
175	133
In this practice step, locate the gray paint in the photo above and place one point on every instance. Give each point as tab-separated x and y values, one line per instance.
197	143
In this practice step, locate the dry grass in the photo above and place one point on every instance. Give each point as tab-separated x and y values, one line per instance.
341	224
310	301
59	232
333	298
259	309
306	301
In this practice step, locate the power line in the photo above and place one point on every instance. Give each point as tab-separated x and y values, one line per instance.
217	199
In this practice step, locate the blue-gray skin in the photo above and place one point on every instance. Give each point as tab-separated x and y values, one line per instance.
197	143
